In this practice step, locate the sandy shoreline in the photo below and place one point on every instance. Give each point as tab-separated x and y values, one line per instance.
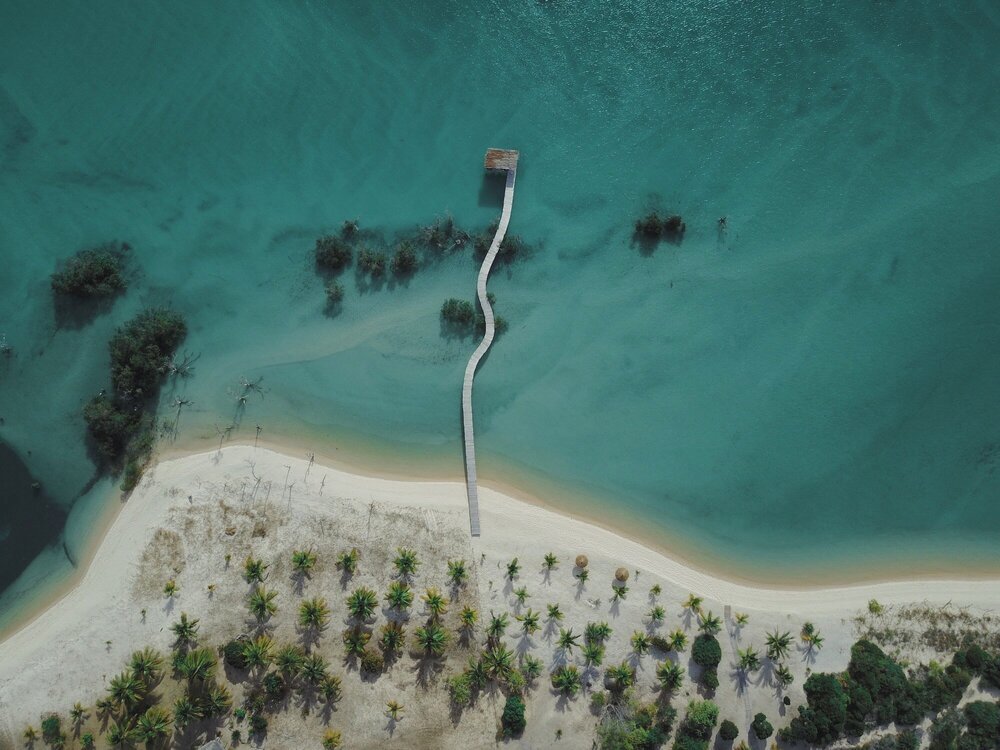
88	633
507	499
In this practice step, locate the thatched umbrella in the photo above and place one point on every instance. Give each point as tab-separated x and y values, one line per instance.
621	574
581	561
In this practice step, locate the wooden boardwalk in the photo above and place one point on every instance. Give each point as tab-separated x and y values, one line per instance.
484	345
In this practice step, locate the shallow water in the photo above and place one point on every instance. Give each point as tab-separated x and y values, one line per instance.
815	387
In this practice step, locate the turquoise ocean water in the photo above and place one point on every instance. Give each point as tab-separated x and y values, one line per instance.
812	390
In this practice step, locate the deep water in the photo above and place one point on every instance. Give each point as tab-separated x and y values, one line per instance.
812	388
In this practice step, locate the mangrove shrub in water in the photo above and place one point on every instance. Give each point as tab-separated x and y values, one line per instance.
92	273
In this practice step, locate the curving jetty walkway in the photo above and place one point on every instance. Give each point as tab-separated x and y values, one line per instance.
484	345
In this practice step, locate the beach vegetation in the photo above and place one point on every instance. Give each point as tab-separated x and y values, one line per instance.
529	621
635	726
761	727
289	659
303	561
186	711
619	592
498	626
677	640
432	638
141	350
371	662
657	615
460	689
521	594
597	632
93	273
709	623
458	313
257	653
619	677
498	662
593	653
457	573
332	740
550	561
728	730
697	727
261	603
568	640
334	294
126	690
198	665
741	619
88	741
185	630
404	260
655	590
566	679
372	262
399	595
347	561
394	710
314	613
123	732
146	665
392	639
355	641
555	614
670	676
822	720
330	688
313	668
693	604
435	602
30	734
513	569
78	714
783	676
406	562
512	720
153	725
778	645
333	253
254	570
362	603
468	617
531	668
232	653
748	659
52	732
582	576
640	643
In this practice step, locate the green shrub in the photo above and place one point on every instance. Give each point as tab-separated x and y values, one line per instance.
710	678
52	730
141	349
371	262
761	727
982	720
334	292
404	261
372	661
458	312
233	654
728	730
822	720
111	425
274	685
92	273
706	651
332	253
512	722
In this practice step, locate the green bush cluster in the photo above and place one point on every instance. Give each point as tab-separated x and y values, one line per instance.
333	253
465	318
636	726
696	729
654	227
707	653
876	690
92	273
512	721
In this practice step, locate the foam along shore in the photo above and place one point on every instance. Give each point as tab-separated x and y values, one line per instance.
189	513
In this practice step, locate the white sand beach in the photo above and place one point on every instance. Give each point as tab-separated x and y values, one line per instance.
189	512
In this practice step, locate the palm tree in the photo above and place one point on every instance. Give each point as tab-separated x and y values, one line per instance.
513	568
289	660
122	733
529	621
498	662
170	588
78	714
432	639
622	676
303	561
30	733
640	643
619	592
355	640
655	590
593	653
313	669
435	603
457	573
87	741
198	664
530	667
330	688
677	640
596	632
186	630
567	680
217	701
742	618
778	644
498	626
555	614
254	570
521	594
348	561
147	665
185	711
154	724
126	690
468	617
477	673
406	562
261	603
670	676
582	576
656	615
257	653
567	640
816	641
314	614
749	659
709	623
550	561
332	740
361	603
693	603
393	638
399	595
783	675
807	631
393	710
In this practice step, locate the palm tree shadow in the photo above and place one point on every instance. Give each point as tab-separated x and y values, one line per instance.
615	607
740	679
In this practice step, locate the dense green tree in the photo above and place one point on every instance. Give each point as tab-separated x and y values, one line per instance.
822	720
728	731
98	272
332	253
512	720
761	727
